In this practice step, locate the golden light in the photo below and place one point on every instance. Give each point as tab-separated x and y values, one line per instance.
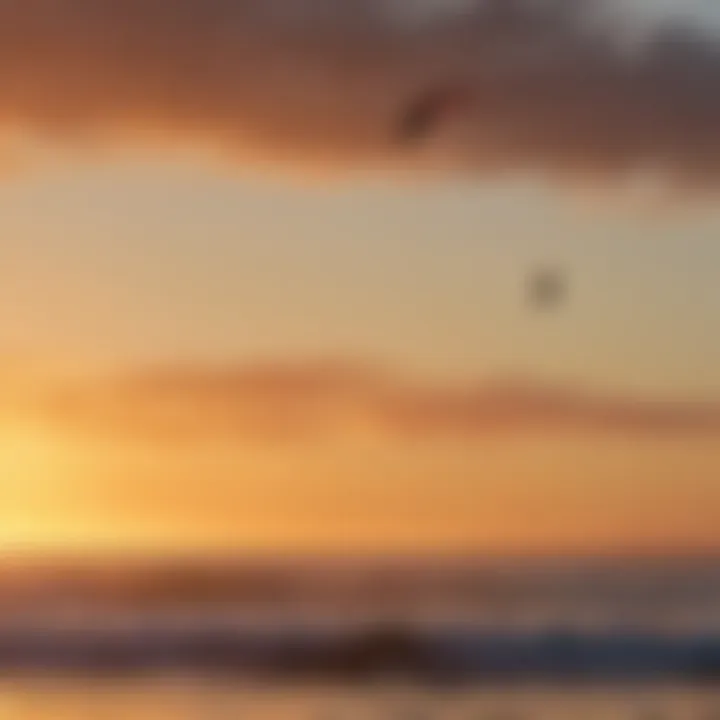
32	482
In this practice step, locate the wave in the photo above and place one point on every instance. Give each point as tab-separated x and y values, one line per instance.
427	654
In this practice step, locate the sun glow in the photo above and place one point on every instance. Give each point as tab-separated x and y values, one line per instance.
32	474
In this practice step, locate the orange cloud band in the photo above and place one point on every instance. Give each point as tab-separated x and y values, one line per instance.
285	402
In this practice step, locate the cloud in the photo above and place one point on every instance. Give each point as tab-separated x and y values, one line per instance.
335	400
552	85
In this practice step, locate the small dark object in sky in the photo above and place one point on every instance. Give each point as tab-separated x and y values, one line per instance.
423	116
546	288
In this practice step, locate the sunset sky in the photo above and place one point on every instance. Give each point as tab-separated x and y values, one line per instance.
202	350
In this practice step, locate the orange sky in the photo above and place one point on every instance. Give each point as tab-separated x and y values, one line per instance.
537	486
483	428
170	305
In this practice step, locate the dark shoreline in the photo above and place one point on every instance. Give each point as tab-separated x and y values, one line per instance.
380	653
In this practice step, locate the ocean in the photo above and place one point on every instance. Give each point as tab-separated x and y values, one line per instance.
400	639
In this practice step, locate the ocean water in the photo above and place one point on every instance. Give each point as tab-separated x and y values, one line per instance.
601	640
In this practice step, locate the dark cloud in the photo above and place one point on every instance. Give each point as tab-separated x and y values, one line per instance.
329	80
284	402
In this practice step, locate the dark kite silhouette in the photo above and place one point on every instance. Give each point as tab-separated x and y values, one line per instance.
426	113
547	288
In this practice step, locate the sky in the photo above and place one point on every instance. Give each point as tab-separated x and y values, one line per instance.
234	317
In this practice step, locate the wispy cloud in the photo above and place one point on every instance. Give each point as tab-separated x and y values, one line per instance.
550	86
324	401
